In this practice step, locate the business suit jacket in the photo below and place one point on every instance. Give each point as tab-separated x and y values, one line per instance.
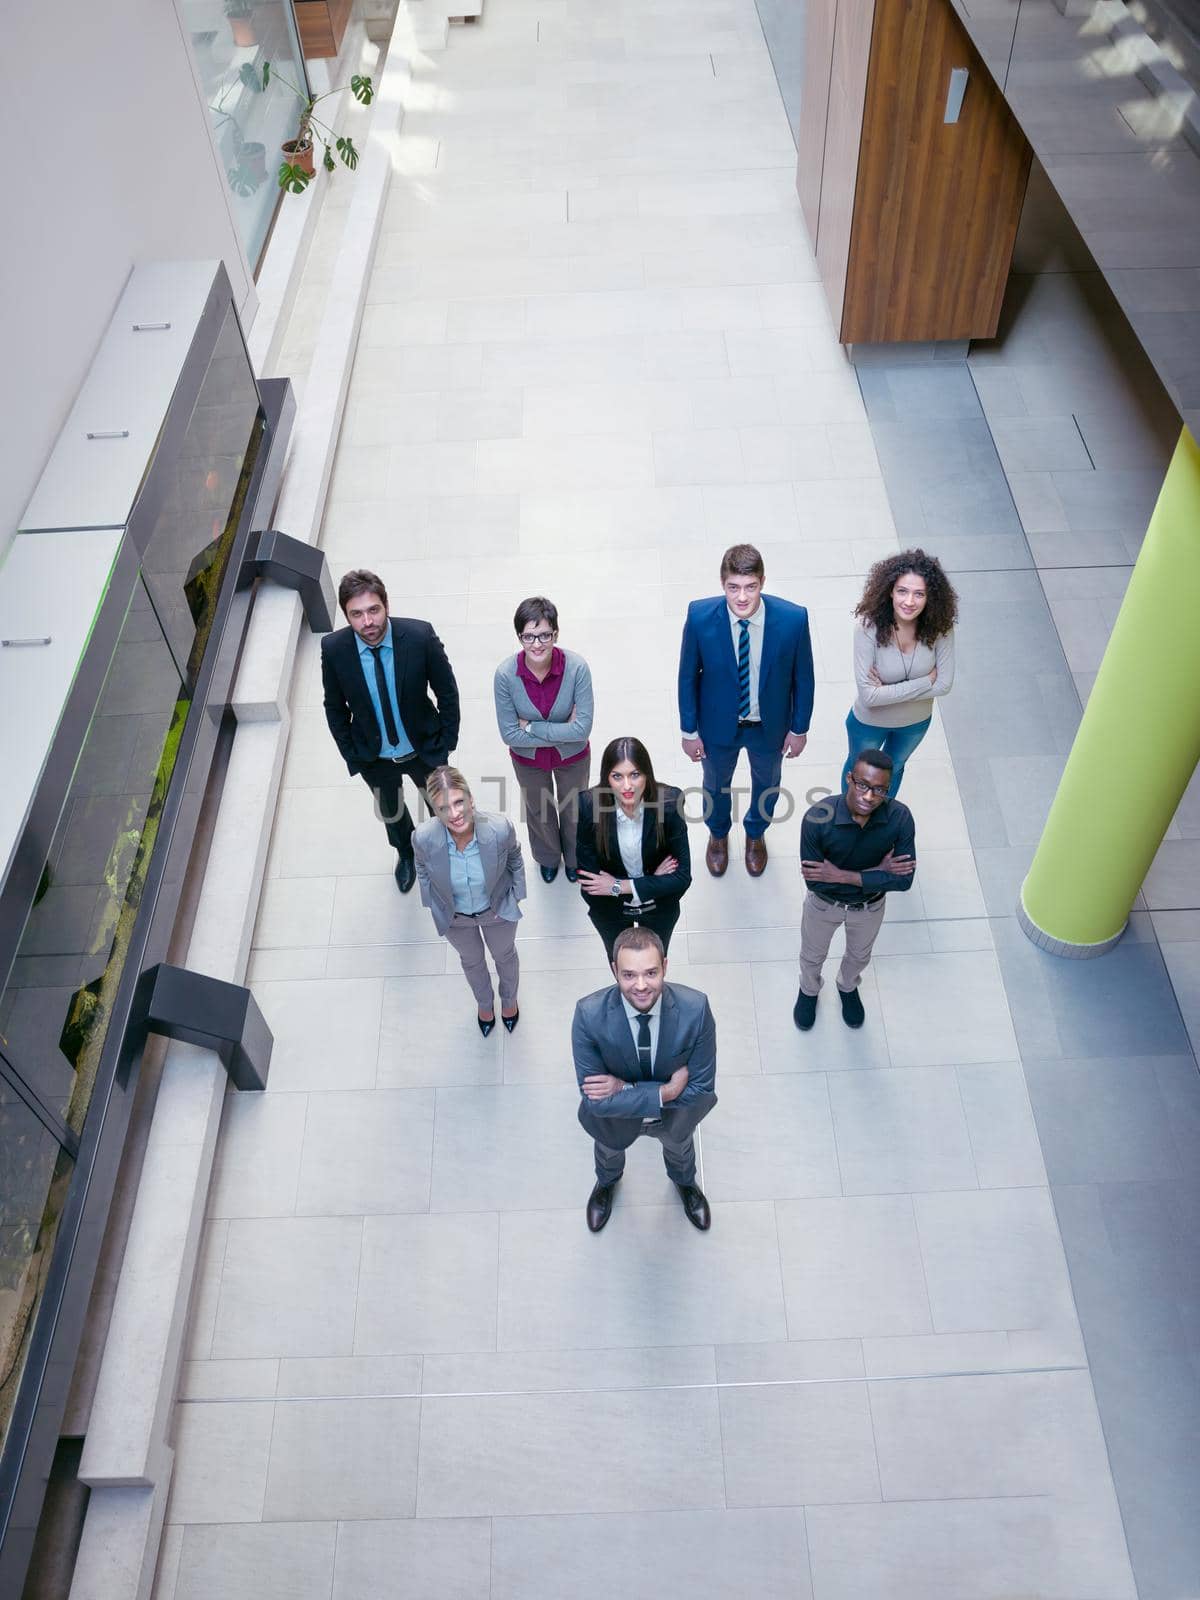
420	664
671	885
602	1041
500	854
708	678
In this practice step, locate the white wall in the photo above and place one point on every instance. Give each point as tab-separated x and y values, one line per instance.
108	163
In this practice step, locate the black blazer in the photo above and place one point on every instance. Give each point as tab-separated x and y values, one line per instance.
672	885
420	665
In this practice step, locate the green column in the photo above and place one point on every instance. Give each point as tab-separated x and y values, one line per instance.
1138	742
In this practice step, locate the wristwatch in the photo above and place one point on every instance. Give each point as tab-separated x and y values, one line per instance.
615	891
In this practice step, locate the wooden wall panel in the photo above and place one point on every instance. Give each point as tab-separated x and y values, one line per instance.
814	109
843	134
937	204
321	25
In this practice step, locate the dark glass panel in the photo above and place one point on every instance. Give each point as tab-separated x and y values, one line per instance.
55	1005
34	1174
186	556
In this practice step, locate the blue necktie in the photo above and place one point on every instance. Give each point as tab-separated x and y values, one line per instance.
743	670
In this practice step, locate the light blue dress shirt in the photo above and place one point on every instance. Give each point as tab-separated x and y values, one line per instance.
467	882
404	746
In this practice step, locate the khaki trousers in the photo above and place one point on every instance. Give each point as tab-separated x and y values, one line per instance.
821	920
552	827
468	935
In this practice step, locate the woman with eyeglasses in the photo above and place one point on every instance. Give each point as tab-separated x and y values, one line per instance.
544	710
903	657
634	860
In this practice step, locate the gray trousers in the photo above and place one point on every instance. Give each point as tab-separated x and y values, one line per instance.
679	1156
819	923
552	826
468	936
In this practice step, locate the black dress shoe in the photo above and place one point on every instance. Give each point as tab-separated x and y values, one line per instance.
485	1025
549	874
695	1206
572	874
406	874
804	1012
511	1022
599	1206
853	1014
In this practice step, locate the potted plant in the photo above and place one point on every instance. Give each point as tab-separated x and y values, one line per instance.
297	169
241	22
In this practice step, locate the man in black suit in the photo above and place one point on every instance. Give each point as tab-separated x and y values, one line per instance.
377	674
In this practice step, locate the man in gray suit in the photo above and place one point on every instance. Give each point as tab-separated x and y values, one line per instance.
646	1062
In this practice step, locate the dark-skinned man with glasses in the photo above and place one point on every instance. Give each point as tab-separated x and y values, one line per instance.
855	849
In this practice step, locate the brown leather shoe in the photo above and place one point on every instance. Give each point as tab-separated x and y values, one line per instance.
716	857
756	857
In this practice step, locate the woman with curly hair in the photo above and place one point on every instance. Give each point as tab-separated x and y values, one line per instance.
903	657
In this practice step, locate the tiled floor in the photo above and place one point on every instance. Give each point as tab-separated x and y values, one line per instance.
596	353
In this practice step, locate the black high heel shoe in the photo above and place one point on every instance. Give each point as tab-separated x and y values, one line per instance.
485	1027
511	1022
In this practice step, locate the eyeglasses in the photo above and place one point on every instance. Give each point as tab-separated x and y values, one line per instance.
871	788
536	638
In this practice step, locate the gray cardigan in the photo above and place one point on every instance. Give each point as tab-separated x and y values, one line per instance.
512	702
899	700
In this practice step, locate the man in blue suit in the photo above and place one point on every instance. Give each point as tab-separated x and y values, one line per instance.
745	683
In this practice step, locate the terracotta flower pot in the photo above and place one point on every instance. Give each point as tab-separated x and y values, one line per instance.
302	157
244	35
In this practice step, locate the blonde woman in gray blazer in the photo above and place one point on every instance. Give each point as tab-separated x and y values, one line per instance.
544	711
472	877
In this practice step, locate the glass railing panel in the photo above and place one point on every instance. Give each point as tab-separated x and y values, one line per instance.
35	1172
56	1002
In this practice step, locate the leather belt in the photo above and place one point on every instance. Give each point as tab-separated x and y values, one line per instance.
849	905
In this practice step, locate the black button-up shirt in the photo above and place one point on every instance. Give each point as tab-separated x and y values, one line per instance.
830	833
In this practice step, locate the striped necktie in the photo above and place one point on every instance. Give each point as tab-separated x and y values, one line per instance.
743	670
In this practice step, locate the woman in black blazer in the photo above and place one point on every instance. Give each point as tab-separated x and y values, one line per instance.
634	860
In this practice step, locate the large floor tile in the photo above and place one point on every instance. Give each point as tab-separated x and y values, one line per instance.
993	1259
347	1459
945	1009
326	1032
221	1457
508	1455
509	1147
259	1561
808	1443
288	1287
720	1554
258	1155
648	1279
771	1138
852	1268
427	1283
367	1150
968	1550
413	1559
901	1130
1010	1434
428	1034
